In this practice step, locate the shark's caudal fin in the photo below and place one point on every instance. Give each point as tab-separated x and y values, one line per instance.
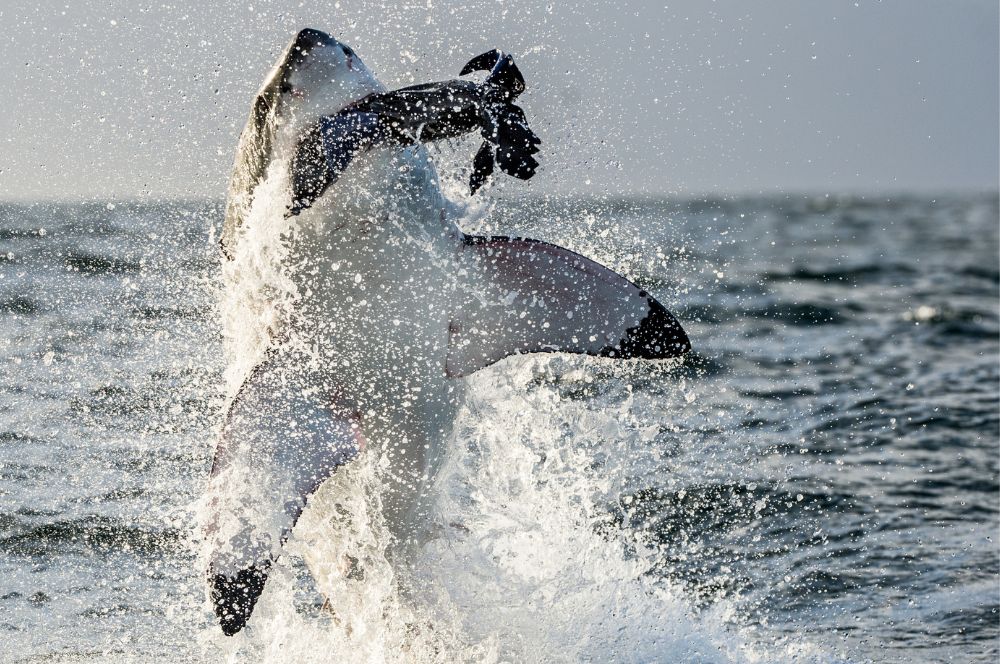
278	444
532	296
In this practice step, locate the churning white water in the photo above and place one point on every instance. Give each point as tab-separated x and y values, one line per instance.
524	557
521	561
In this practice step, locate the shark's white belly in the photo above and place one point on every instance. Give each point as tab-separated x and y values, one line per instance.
374	267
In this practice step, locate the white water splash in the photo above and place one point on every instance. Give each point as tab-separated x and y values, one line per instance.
515	566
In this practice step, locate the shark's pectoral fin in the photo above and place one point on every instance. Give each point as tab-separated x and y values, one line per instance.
537	297
280	441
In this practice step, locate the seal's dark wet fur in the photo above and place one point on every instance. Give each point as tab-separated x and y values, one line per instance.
421	114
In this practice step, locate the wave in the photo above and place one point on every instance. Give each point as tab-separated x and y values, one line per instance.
85	535
87	263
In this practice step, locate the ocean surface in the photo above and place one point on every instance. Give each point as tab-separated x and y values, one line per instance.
817	481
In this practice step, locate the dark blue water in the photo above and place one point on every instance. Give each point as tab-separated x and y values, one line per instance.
831	476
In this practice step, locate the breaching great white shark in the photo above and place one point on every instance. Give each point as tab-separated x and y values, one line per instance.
376	303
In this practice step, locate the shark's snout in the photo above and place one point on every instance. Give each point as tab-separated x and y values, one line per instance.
307	42
310	38
313	60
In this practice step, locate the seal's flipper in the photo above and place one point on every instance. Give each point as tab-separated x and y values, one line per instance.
504	123
515	143
327	148
504	78
280	441
482	62
543	298
482	167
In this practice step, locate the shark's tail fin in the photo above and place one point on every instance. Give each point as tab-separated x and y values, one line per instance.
509	140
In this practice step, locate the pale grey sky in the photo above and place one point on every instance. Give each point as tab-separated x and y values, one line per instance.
133	98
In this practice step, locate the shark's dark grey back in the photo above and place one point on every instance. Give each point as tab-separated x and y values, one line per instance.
252	154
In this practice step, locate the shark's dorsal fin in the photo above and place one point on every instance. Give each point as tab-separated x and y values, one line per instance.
536	297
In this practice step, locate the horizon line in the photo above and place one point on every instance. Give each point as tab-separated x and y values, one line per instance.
889	194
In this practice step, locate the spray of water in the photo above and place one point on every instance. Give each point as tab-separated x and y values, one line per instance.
523	557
